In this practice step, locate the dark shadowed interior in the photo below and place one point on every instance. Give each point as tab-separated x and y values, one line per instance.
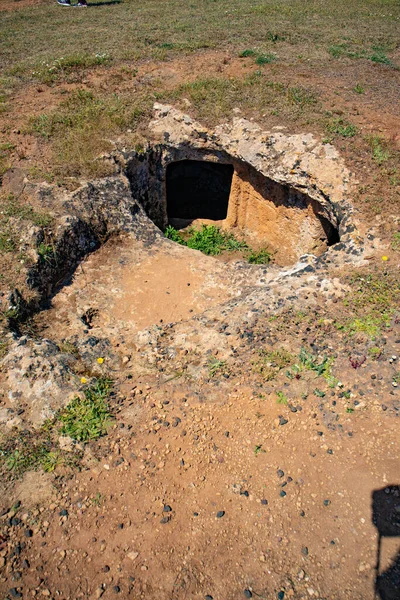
198	190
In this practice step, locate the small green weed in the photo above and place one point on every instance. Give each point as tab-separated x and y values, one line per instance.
380	151
358	88
246	53
209	239
281	398
311	362
396	242
341	127
275	37
270	363
319	393
217	367
380	57
349	409
88	418
260	257
265	59
257	449
7	243
369	325
301	96
45	252
69	348
375	352
173	234
396	377
98	499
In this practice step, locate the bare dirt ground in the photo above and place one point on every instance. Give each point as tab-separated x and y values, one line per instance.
215	482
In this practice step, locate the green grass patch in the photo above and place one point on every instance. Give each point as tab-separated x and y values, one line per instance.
80	129
247	53
260	257
266	59
372	302
281	398
379	148
214	98
61	68
396	242
269	363
89	417
209	239
341	127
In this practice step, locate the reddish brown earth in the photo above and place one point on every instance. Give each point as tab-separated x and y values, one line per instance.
297	496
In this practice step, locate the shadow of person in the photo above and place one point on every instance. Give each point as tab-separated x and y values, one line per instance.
386	518
107	3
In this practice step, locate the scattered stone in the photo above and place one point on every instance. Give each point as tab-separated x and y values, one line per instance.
133	555
220	514
247	593
167	508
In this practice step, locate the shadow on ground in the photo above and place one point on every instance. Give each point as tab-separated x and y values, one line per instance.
386	518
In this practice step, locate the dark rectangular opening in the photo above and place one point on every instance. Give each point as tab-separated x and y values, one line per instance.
198	190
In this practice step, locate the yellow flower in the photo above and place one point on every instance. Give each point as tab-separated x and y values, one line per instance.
83	380
100	360
385	258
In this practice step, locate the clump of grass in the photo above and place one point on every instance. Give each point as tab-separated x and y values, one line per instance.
313	363
46	252
247	53
81	127
380	57
209	239
217	367
260	257
341	127
214	98
301	96
260	59
375	352
26	451
380	151
358	88
11	207
49	72
88	418
396	241
268	364
265	59
372	302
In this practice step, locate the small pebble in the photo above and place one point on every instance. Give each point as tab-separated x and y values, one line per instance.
220	514
247	593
